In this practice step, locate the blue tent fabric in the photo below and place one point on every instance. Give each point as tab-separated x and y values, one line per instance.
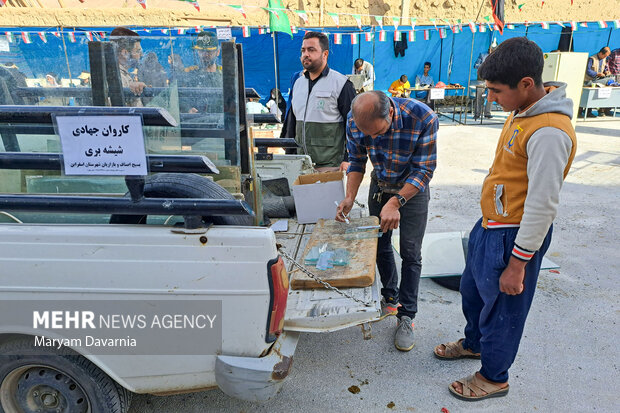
38	58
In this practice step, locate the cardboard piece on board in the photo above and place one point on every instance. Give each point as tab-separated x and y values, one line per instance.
315	195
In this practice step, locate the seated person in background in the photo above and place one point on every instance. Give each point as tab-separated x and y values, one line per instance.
360	67
253	106
276	104
399	87
129	53
425	80
613	63
597	66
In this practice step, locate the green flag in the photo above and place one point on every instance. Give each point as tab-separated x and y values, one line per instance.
278	20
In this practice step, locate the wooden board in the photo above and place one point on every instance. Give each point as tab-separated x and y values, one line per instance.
361	269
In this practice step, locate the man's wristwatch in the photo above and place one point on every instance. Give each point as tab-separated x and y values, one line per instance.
401	200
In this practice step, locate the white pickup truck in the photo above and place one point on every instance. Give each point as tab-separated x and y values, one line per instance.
69	240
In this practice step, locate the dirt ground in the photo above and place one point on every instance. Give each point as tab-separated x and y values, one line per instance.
182	13
567	360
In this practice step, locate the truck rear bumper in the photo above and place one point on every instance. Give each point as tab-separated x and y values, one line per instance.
257	379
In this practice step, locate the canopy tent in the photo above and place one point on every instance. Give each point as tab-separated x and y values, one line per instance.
451	57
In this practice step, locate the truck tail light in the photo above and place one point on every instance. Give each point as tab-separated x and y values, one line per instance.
278	287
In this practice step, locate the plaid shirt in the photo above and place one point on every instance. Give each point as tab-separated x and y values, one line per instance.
406	153
613	62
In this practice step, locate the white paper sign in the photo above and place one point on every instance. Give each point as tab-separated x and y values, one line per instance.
224	33
604	93
438	93
102	145
4	45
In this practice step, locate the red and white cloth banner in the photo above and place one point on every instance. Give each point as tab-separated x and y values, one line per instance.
602	24
427	35
411	37
89	35
442	33
26	38
382	36
303	15
197	29
246	31
544	25
482	28
71	37
262	30
472	26
368	36
510	26
142	3
337	38
42	37
396	35
180	31
354	38
358	20
573	26
196	5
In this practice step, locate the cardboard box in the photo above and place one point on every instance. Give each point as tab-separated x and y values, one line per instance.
315	195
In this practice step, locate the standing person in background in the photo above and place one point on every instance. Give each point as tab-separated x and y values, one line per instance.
519	200
129	53
320	101
399	87
276	104
361	67
480	88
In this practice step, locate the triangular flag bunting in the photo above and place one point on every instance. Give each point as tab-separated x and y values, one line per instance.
26	38
142	3
358	20
246	31
427	34
573	25
353	38
336	20
379	21
261	30
472	26
583	24
616	24
559	24
180	31
89	36
42	36
294	29
239	9
337	38
482	28
56	33
544	25
382	36
164	31
434	23
196	5
278	20
411	36
602	24
71	37
395	22
303	15
413	22
368	36
197	29
9	36
510	26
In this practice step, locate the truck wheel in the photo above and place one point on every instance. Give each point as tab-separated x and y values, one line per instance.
51	380
452	283
170	185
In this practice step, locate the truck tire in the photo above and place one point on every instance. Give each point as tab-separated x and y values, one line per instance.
55	380
171	185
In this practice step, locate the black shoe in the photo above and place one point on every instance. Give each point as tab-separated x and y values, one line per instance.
476	117
489	116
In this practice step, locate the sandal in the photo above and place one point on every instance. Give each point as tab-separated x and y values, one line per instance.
454	350
478	386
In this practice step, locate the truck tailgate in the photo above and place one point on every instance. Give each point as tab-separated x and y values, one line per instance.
323	310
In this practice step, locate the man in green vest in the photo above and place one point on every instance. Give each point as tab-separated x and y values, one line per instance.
519	201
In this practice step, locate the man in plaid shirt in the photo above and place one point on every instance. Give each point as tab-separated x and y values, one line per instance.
399	135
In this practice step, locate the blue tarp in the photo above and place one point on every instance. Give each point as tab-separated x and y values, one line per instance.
451	58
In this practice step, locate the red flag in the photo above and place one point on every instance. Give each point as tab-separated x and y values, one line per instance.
498	14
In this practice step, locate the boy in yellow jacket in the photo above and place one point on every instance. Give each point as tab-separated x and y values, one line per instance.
519	201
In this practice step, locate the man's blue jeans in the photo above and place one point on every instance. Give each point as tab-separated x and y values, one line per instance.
413	216
495	320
